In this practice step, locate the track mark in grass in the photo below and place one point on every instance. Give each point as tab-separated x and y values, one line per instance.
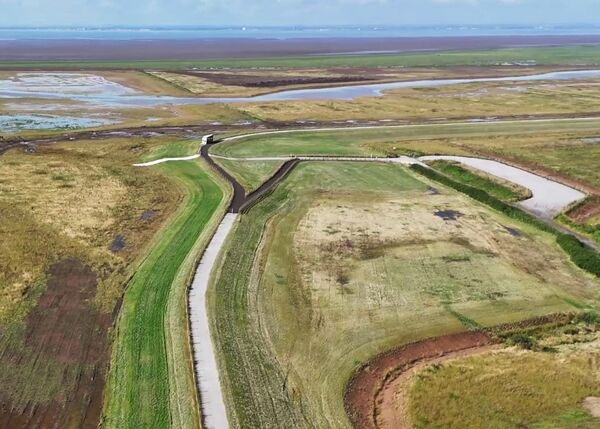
467	322
575	303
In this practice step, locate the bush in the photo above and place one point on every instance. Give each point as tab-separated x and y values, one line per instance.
524	341
588	317
581	255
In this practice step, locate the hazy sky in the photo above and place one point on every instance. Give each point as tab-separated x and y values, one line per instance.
290	12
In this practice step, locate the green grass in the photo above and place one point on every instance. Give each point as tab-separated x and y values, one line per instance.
142	389
250	174
563	55
382	140
173	149
571	158
344	261
504	391
468	177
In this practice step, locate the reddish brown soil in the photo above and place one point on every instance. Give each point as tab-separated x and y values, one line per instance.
65	331
586	211
258	81
363	390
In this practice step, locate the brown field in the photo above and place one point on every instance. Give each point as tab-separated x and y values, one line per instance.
72	231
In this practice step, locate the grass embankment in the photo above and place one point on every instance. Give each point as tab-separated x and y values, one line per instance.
506	390
503	191
150	381
393	141
562	55
320	277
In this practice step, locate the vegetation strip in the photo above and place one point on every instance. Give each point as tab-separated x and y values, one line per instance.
584	257
139	388
477	180
559	55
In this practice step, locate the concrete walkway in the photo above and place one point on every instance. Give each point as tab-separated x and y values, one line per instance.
207	371
160	161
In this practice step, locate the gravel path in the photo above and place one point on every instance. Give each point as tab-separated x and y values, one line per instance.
548	199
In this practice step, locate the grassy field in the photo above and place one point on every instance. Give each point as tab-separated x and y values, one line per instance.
564	55
150	382
345	261
250	174
506	389
74	215
502	190
409	139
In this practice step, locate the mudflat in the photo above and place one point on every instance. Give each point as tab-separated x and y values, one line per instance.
197	49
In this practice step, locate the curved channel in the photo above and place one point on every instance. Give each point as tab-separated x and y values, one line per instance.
346	92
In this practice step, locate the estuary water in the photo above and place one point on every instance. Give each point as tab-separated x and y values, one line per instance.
89	88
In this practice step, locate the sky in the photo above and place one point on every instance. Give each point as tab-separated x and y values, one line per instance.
295	12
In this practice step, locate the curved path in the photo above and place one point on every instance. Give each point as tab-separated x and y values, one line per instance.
548	199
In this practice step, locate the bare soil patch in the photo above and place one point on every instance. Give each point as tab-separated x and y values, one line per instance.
368	391
587	211
592	404
65	332
266	81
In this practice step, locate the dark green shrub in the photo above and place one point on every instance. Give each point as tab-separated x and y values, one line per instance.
590	317
524	341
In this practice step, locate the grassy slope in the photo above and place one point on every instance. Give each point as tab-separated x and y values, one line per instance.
381	141
471	178
544	55
250	174
266	331
173	149
141	390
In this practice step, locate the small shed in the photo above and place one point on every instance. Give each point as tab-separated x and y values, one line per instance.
208	139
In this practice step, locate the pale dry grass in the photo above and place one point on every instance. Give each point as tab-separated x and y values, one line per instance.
397	253
75	199
507	389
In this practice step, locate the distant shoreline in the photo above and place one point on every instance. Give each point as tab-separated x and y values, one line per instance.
212	48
